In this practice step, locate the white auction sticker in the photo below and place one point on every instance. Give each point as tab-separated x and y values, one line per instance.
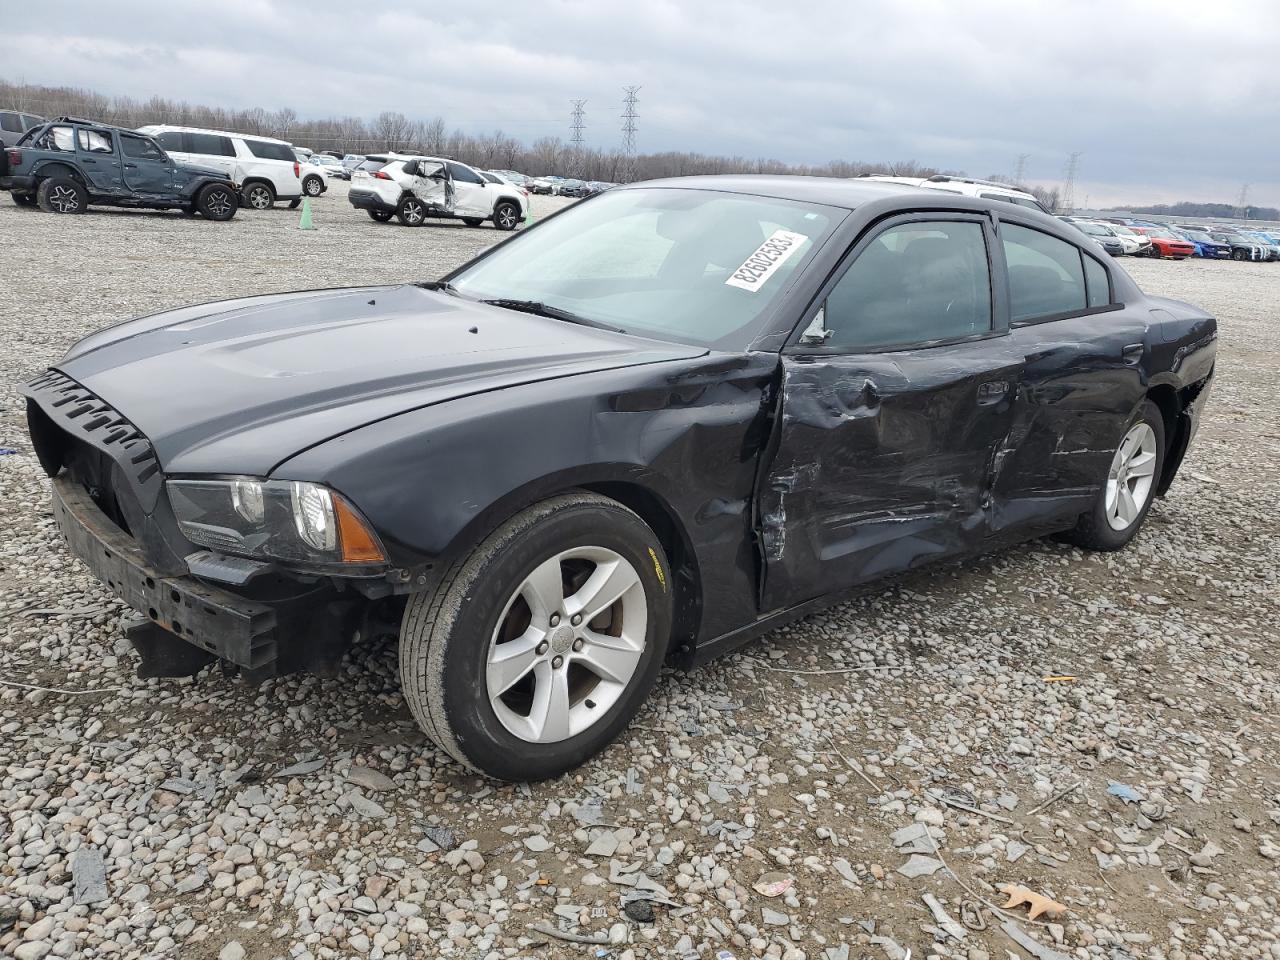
768	257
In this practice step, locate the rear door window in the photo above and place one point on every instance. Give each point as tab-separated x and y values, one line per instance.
94	141
1046	275
171	140
209	144
10	122
56	138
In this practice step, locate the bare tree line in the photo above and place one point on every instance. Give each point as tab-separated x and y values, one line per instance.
393	131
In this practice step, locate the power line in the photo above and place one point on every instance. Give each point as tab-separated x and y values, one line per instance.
629	117
1069	182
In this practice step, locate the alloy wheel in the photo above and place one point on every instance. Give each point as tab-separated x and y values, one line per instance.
313	188
259	198
568	643
506	217
64	199
413	213
218	204
1132	476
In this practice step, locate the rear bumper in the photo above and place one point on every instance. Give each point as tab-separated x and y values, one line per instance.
20	183
368	200
231	627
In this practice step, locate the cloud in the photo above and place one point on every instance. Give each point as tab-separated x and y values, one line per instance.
1165	99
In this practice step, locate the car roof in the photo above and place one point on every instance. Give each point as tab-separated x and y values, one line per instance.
830	191
219	133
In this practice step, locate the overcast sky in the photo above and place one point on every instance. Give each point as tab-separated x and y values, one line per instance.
1165	99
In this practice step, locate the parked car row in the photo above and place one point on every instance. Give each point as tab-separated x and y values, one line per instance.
1178	241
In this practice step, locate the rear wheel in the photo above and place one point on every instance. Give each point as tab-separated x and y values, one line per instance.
412	212
217	202
61	195
506	215
382	216
537	649
1129	487
259	196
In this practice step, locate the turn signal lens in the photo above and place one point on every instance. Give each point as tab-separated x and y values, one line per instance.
355	541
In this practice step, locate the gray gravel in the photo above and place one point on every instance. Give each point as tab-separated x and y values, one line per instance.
766	804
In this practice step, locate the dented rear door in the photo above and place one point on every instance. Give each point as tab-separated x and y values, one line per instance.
883	452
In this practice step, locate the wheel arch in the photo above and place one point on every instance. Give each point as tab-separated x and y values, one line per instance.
56	168
1173	402
635	491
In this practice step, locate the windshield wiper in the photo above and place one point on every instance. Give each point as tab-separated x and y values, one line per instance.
542	310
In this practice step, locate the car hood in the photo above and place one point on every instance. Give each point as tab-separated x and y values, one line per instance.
240	386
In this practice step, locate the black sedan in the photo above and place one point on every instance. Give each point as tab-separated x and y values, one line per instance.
653	426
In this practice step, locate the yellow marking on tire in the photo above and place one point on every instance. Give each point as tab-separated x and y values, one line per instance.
657	568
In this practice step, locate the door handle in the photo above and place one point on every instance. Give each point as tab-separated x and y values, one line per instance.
993	391
131	166
1132	354
87	160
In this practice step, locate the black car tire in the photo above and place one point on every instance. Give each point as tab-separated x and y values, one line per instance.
382	216
1092	531
473	221
313	186
217	202
61	195
506	215
23	199
445	635
295	203
258	196
411	211
1238	254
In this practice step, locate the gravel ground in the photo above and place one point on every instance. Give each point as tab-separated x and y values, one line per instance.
857	785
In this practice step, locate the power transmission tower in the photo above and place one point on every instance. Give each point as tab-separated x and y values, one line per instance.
1020	168
1069	182
575	138
629	117
1243	202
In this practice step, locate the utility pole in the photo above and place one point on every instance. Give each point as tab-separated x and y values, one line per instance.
575	138
1020	168
1069	182
1243	202
629	117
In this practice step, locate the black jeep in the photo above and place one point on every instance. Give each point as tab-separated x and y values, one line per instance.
66	164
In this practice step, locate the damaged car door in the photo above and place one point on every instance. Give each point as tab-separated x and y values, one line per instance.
431	184
471	197
896	398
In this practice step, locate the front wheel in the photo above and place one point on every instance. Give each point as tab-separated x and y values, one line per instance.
382	216
537	649
1130	485
217	202
472	221
506	215
313	186
23	199
1239	255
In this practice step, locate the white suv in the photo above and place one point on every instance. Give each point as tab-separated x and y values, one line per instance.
266	169
415	189
968	186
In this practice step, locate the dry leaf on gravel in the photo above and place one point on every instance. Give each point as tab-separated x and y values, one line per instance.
1037	903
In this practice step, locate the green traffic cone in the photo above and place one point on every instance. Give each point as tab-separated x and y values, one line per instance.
304	223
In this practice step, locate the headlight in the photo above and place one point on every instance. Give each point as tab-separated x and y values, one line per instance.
273	519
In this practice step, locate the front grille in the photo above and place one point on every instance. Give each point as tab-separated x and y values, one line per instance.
73	428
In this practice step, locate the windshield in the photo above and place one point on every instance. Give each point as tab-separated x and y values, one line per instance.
1162	233
696	266
1197	236
1094	229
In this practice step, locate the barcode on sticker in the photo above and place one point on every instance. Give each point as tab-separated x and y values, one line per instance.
767	258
